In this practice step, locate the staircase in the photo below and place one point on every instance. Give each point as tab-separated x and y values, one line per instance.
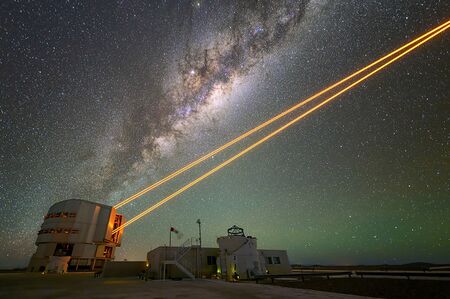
181	252
183	249
181	267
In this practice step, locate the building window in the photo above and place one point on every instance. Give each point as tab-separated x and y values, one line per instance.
117	222
211	260
63	249
60	214
107	252
58	231
273	260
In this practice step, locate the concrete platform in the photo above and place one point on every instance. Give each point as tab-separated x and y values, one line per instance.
26	285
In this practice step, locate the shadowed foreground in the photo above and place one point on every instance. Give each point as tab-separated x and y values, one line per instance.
376	287
25	285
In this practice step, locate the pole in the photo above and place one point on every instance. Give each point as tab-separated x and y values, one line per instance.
199	232
196	262
161	267
199	254
170	237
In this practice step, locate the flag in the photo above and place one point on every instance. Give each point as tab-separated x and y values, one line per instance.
174	230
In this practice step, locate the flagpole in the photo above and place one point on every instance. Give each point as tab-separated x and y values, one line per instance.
199	248
199	232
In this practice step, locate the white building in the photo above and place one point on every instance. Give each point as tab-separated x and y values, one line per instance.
76	235
236	258
239	257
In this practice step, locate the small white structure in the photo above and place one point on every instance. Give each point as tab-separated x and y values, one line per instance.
76	235
185	261
239	257
236	258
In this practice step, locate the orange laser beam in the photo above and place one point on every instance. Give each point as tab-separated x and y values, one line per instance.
268	122
274	133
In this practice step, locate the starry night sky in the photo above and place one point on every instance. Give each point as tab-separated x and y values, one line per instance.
100	99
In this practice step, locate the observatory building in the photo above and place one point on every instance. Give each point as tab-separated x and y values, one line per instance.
236	258
238	255
76	236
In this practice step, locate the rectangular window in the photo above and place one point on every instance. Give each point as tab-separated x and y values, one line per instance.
117	223
269	260
107	252
211	260
276	260
63	249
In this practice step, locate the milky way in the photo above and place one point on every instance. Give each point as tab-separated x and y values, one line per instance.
256	29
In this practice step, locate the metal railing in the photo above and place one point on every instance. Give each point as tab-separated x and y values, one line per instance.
183	249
